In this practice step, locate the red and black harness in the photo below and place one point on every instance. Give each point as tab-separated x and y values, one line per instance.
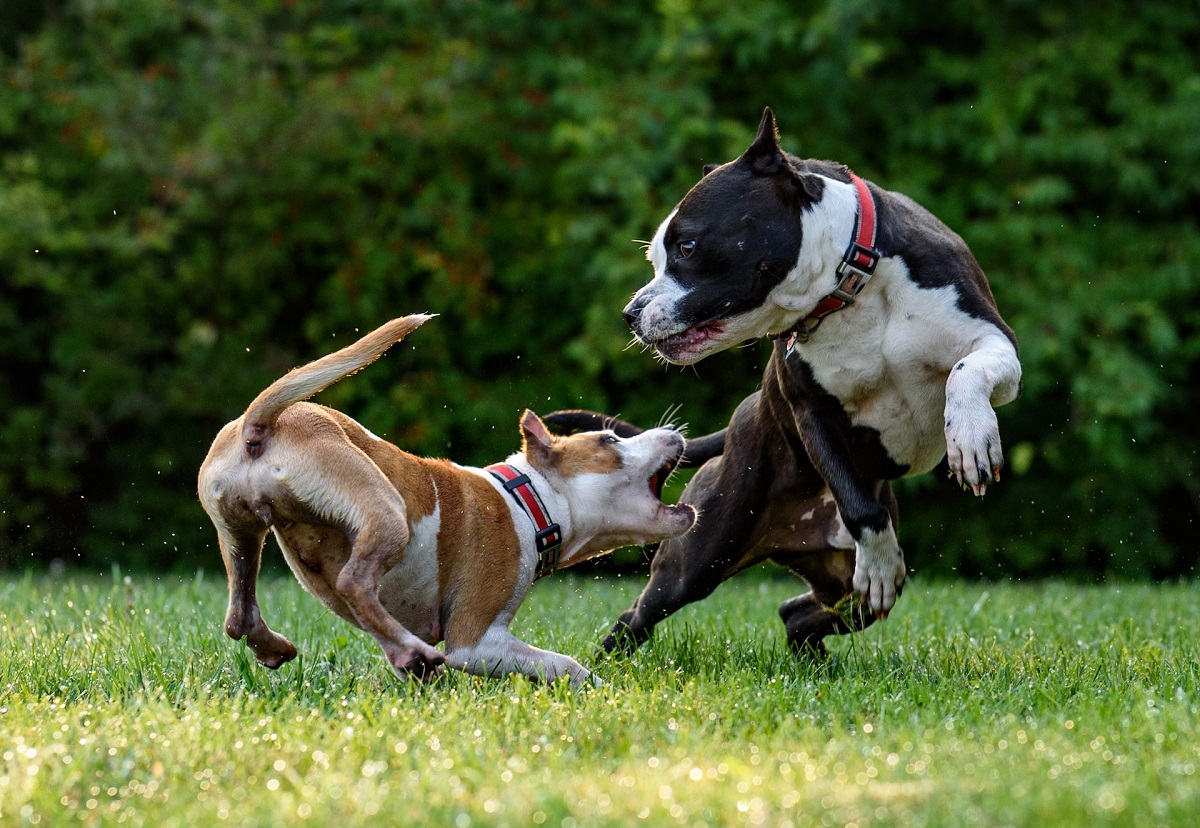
547	534
854	271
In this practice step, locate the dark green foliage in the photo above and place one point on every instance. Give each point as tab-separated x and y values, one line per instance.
195	197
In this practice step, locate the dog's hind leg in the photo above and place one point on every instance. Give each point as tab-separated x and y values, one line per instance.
831	608
731	493
241	549
690	567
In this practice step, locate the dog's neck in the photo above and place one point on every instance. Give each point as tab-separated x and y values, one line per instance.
583	533
827	229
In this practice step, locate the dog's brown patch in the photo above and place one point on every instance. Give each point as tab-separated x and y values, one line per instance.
479	554
586	454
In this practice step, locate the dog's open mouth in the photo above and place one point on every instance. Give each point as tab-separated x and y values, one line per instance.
689	343
658	481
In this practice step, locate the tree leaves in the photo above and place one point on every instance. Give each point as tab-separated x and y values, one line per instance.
194	199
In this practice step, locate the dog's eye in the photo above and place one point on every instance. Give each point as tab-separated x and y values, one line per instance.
687	248
608	438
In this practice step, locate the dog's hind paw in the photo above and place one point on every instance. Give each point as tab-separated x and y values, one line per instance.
270	649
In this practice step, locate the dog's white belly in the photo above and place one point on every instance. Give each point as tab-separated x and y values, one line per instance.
409	591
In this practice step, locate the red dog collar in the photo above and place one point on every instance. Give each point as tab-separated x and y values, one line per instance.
854	271
548	535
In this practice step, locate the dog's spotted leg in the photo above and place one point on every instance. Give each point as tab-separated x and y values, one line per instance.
988	376
690	567
831	608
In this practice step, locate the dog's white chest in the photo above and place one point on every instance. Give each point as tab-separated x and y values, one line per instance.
887	362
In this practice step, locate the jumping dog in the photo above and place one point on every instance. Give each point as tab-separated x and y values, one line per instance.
889	355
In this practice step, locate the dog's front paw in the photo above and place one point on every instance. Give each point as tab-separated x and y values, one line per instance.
879	571
973	448
622	640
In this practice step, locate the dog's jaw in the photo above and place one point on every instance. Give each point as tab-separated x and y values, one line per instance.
691	344
654	321
683	343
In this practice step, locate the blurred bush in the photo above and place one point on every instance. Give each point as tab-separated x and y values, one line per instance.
195	197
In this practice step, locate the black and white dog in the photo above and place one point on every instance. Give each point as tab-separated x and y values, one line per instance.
890	354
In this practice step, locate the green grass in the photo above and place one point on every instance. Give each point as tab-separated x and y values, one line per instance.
121	702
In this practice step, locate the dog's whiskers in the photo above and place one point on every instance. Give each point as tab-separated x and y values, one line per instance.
667	420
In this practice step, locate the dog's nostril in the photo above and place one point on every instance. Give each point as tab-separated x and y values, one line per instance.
631	313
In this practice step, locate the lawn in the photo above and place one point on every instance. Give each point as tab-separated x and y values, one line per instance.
975	704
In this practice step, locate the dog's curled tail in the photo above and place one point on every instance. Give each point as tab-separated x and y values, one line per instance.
305	381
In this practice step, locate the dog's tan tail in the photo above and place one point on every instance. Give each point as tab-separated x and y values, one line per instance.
301	383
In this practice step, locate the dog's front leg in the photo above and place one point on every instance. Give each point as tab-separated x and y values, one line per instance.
499	652
988	376
879	569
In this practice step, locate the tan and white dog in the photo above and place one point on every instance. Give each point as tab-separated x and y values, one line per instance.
418	551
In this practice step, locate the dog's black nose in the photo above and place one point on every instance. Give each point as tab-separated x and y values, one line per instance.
632	312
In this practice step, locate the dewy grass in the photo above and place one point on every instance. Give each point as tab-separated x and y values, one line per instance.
1052	704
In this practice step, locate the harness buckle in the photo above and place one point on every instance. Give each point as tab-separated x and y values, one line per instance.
856	269
549	543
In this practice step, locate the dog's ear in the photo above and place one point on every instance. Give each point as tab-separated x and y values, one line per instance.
764	155
536	441
708	168
812	185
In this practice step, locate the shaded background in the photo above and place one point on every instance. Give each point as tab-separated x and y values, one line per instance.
197	196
